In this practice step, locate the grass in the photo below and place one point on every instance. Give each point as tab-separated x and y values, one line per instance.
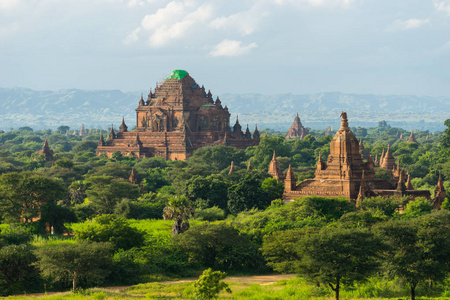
246	289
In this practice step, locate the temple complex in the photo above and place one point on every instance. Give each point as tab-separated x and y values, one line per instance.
297	130
177	118
346	174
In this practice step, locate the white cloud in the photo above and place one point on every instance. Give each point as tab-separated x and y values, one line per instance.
408	24
315	2
231	48
178	20
163	16
165	33
442	5
8	4
245	22
171	22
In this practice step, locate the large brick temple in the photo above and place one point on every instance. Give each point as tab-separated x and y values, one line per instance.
178	118
346	174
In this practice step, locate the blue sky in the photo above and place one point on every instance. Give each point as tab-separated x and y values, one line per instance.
245	46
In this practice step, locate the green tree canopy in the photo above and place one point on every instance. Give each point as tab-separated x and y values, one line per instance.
336	256
106	191
218	246
418	249
23	195
108	228
85	261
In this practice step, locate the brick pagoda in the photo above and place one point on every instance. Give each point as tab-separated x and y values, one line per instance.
297	130
345	174
178	118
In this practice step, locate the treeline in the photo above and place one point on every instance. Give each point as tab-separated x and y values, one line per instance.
231	222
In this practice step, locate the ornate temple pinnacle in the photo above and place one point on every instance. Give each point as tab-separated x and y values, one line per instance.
344	122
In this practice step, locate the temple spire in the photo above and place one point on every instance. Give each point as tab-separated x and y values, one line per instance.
133	179
363	192
412	138
232	170
45	147
401	182
344	122
320	163
112	134
290	182
123	127
247	134
274	168
141	101
439	193
237	127
409	186
101	142
256	133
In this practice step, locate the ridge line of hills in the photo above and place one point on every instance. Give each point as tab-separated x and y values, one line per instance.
99	108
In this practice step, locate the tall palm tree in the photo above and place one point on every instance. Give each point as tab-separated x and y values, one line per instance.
180	210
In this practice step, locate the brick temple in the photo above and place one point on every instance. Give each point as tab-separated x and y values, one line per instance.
346	174
297	130
177	118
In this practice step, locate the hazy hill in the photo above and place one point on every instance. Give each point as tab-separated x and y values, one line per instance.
99	108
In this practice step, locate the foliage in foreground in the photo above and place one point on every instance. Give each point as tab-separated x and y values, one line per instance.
210	284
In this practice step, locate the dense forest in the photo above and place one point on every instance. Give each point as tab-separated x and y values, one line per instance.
82	220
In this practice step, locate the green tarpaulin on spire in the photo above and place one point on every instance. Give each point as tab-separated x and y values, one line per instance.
177	74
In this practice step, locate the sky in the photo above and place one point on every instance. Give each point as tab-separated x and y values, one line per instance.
236	46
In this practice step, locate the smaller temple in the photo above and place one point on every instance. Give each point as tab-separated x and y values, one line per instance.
439	193
133	179
387	160
46	152
274	169
297	130
82	131
412	138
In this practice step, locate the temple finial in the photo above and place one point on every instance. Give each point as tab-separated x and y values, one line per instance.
344	122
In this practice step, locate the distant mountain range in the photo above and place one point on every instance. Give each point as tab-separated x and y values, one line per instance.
101	108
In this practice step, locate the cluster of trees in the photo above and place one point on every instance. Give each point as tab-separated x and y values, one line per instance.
230	222
361	244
